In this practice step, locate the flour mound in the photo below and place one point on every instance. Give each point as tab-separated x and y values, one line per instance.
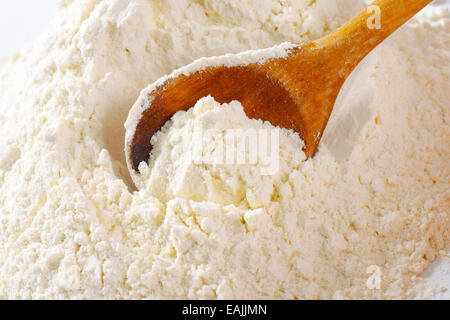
71	225
215	153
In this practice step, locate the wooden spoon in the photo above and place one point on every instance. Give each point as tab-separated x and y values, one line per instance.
297	92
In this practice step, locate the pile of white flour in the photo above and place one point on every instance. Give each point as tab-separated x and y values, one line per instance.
71	225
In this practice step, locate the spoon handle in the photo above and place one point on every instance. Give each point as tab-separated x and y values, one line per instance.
316	71
367	30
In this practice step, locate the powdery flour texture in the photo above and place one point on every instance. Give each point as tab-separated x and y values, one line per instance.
72	224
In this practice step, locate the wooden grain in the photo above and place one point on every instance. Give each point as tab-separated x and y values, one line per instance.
296	92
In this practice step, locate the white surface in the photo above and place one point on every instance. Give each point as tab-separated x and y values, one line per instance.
23	20
439	274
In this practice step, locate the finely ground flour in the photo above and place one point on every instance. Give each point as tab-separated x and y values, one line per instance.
72	224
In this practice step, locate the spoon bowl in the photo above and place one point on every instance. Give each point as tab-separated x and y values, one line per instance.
296	91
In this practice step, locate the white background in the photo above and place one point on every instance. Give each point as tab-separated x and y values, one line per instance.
23	20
